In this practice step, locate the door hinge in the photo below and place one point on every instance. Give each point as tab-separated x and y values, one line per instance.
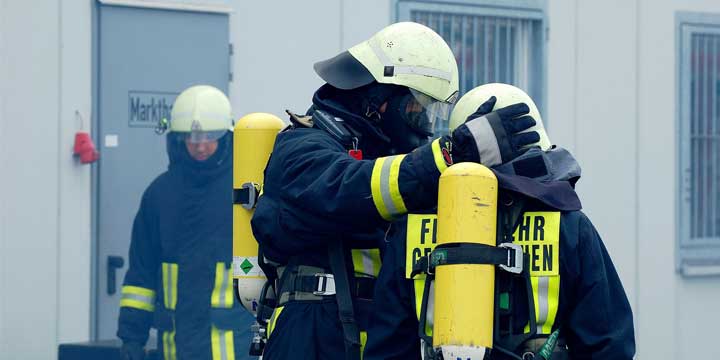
231	52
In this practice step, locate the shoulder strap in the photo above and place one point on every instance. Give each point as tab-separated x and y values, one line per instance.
510	209
343	297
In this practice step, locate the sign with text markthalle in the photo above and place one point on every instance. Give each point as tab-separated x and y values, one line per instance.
147	108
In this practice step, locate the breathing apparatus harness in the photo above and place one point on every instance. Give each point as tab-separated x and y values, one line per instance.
508	257
301	282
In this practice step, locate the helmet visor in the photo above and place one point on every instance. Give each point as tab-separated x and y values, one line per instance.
425	114
196	137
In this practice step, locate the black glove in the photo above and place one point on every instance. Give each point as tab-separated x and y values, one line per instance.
493	137
132	351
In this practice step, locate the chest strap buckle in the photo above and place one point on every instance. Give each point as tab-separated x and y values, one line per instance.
325	284
516	261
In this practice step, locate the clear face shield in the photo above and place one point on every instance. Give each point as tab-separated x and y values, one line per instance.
426	115
197	137
200	145
412	118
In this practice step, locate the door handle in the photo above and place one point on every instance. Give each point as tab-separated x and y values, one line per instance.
113	263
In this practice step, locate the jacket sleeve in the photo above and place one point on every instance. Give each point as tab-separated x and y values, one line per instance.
600	322
137	302
319	178
393	332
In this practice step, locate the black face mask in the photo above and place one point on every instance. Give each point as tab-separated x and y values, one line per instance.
406	129
400	130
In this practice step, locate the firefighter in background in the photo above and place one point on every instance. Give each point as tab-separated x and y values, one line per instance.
575	289
358	160
179	280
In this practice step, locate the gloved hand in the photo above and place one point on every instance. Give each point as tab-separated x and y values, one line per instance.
493	137
132	351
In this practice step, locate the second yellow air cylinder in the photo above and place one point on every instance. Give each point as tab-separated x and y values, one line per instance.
253	140
464	293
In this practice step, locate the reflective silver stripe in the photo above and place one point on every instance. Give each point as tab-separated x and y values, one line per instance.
223	349
417	70
367	263
542	294
384	59
223	288
385	186
145	299
485	140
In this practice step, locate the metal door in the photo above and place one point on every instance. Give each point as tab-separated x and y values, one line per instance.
144	58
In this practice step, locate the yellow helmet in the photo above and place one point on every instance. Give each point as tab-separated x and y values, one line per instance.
203	112
506	95
406	54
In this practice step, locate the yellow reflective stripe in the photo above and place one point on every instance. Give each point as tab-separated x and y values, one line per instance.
136	290
395	185
132	303
165	271
273	319
222	292
169	275
385	187
366	261
223	347
228	291
215	342
438	156
419	286
173	348
363	342
169	351
138	298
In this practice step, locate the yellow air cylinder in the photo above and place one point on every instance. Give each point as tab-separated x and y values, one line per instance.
254	137
464	293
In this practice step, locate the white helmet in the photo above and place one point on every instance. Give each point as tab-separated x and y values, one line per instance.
203	112
406	54
506	95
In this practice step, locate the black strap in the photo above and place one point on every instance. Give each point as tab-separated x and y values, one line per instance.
428	351
512	207
464	253
241	196
364	287
268	298
343	297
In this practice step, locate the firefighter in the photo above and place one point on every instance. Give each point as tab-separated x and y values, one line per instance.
357	160
580	308
179	280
